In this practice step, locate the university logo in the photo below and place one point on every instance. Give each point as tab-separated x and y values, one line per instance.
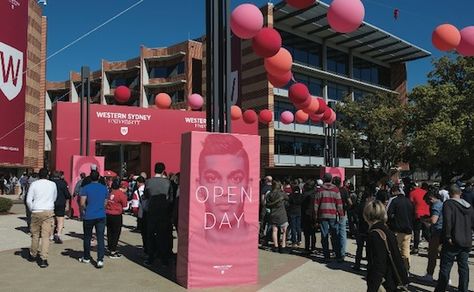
222	268
11	71
124	131
14	3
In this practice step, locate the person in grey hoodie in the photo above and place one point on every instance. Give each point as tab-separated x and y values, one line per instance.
458	223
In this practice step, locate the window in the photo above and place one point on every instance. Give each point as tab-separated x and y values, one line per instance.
165	72
359	94
371	73
337	91
280	107
300	146
304	51
338	62
177	96
314	85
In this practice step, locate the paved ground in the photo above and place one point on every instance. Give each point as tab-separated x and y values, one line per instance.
288	272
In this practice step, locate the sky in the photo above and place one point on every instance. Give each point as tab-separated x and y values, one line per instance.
159	23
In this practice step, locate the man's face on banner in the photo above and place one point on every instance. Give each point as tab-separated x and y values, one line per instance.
229	173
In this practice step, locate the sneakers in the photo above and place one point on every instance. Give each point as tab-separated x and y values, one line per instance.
58	239
115	255
414	251
450	283
84	261
100	264
31	258
43	264
427	278
148	262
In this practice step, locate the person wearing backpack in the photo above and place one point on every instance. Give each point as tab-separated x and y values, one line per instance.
385	266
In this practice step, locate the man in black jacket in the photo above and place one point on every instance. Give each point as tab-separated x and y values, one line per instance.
458	223
400	221
60	204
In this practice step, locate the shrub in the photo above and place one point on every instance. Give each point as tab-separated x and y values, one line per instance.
5	205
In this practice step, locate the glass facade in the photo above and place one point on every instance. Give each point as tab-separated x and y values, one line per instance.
337	62
371	73
337	91
298	145
303	51
281	106
314	85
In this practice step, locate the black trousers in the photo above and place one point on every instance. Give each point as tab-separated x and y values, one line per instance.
309	238
159	229
420	229
143	231
114	228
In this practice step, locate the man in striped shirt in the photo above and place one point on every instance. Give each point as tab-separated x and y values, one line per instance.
328	210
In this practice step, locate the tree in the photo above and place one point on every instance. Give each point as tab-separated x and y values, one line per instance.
374	127
440	130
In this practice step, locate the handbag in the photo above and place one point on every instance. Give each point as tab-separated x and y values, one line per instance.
400	285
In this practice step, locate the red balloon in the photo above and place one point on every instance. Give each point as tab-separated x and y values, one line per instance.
298	93
280	63
122	94
446	37
250	116
304	104
327	114
266	116
331	119
300	4
266	43
280	80
313	106
301	117
163	100
322	106
316	118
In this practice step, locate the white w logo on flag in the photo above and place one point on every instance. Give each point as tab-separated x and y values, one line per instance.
11	67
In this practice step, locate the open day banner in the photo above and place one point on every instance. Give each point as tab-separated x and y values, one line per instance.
13	57
218	203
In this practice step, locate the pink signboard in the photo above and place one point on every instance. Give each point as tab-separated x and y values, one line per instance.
82	164
334	171
218	210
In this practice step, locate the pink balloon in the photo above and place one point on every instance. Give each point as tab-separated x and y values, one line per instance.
246	21
466	46
287	117
195	101
346	16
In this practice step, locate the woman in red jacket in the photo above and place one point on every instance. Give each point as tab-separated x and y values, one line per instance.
116	202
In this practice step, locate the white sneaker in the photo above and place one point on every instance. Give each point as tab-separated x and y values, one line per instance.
450	283
84	261
100	264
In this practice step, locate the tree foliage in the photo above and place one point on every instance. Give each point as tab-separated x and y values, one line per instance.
374	127
441	119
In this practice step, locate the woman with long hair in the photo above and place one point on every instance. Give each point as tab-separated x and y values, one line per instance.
278	217
385	264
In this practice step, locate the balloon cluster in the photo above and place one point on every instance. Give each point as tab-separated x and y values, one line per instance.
247	23
447	37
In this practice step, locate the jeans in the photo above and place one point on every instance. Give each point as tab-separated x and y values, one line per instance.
329	227
99	225
449	253
361	241
418	229
295	226
342	235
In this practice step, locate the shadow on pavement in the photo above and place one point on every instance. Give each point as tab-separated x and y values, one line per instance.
23	229
23	253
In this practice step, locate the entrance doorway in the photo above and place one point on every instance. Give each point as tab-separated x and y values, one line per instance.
125	158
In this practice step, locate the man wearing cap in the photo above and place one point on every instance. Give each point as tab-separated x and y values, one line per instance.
328	210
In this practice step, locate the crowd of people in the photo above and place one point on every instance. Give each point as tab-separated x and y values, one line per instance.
389	220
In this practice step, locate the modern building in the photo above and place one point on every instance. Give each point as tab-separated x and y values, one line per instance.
176	70
34	111
331	64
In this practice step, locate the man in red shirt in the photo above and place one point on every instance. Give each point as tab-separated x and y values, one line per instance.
422	210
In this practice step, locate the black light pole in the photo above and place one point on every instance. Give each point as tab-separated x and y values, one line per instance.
85	93
217	65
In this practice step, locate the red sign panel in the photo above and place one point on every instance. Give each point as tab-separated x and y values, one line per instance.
218	210
13	58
